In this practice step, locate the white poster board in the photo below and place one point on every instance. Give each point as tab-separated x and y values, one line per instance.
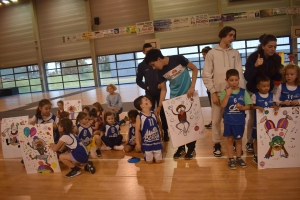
36	152
184	118
73	107
10	136
278	139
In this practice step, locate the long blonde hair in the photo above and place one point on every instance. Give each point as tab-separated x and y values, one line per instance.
291	66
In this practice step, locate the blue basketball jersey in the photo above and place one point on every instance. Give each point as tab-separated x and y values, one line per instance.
131	134
111	130
289	95
150	133
85	134
78	150
262	102
233	116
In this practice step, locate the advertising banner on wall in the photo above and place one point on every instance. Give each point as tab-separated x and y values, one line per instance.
144	28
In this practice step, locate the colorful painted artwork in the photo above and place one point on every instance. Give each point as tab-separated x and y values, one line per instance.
10	136
278	138
73	107
184	118
37	156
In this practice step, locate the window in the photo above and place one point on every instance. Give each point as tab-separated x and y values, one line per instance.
70	74
26	78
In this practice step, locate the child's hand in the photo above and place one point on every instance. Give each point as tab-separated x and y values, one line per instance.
239	106
294	103
228	91
116	110
133	143
52	145
276	108
286	102
261	109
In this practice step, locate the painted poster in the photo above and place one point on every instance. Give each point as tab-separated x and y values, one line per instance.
253	14
37	156
278	139
180	22
10	136
73	107
227	17
279	11
240	16
130	29
199	20
214	18
293	10
184	118
266	13
162	25
144	28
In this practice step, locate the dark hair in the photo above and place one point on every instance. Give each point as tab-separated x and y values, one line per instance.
153	55
132	114
86	108
80	116
64	114
146	45
205	49
60	101
98	106
67	126
266	38
42	103
232	72
224	32
108	113
93	113
138	101
262	79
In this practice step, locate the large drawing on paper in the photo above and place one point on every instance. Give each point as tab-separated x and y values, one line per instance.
37	156
73	107
184	118
278	138
10	136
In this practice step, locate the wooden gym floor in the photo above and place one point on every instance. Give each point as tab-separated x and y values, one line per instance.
204	177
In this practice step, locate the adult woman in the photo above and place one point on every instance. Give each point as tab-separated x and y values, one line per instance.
263	62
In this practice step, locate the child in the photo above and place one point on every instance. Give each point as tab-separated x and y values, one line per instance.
235	101
60	105
110	133
288	93
260	100
86	109
64	114
43	115
114	101
130	140
84	130
78	154
147	131
100	114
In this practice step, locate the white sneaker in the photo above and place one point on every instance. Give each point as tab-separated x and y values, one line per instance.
119	148
105	148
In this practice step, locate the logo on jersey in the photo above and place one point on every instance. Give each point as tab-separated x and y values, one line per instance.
174	72
151	135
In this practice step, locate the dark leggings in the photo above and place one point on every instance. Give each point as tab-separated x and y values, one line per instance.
191	146
112	141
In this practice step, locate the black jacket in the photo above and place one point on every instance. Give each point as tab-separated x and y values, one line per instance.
151	79
270	68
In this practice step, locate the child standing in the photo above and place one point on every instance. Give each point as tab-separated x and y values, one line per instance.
110	133
84	130
260	100
147	131
114	101
60	105
78	154
288	93
43	115
131	139
235	101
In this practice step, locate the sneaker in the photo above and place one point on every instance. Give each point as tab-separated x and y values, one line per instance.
231	163
208	125
255	158
98	152
74	172
241	162
105	148
180	152
234	149
249	147
90	167
119	148
217	150
190	155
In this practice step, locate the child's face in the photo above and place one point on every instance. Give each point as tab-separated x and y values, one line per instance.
84	121
290	75
233	82
263	87
60	106
110	119
110	90
158	65
146	103
45	110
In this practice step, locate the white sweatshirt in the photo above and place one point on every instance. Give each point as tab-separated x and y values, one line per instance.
217	62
